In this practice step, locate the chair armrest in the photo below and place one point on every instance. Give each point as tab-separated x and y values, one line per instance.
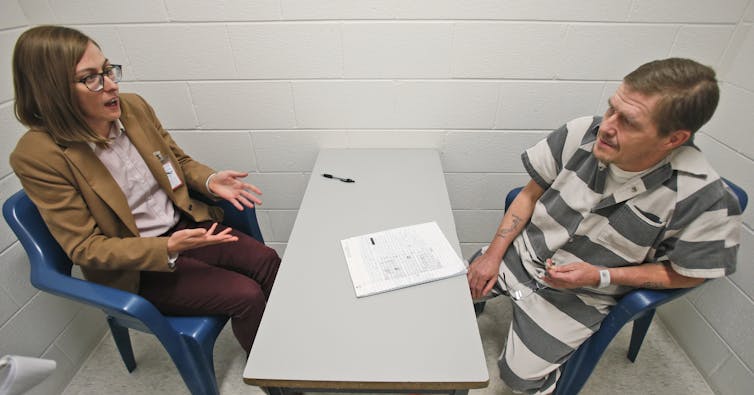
637	302
115	302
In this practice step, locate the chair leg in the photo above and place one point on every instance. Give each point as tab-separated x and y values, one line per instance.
641	326
123	342
195	368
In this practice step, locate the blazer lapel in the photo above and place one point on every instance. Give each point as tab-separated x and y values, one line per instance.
147	151
147	144
102	182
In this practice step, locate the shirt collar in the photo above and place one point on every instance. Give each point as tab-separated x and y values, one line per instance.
689	159
116	130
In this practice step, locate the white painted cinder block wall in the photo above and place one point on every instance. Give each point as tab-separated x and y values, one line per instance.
263	85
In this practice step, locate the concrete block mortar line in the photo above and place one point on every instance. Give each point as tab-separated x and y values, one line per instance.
712	327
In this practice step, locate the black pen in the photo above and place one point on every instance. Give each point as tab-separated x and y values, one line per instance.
338	178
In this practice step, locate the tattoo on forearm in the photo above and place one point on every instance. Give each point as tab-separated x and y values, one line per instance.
503	231
652	285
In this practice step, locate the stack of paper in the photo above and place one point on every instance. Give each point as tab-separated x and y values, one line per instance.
400	257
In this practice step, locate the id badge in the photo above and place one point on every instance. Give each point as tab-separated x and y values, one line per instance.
175	181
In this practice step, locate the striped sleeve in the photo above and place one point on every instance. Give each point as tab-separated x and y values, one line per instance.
704	243
545	160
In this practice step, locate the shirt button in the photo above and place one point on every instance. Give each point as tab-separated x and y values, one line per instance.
634	189
191	206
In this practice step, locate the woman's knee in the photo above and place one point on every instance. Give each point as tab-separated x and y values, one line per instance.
269	256
244	296
269	264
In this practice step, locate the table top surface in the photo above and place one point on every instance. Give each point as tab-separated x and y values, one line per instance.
315	333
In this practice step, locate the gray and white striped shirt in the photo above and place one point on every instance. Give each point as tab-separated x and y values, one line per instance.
679	212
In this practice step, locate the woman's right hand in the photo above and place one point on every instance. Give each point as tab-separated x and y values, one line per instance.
187	239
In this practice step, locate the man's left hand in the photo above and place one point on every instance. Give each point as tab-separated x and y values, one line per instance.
571	275
227	184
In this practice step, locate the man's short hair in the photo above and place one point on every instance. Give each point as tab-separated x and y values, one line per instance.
688	92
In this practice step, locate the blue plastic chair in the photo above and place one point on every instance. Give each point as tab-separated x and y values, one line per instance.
189	340
638	305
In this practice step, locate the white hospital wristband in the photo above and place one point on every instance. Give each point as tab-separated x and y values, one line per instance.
604	278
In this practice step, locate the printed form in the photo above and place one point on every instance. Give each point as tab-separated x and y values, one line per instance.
399	258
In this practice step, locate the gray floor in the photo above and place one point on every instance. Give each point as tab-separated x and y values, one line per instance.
661	368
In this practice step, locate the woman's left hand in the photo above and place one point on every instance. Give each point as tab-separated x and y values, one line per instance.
227	184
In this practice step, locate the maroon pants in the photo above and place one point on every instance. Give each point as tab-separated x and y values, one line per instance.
233	279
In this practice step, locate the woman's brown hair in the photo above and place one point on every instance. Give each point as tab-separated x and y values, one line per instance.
44	63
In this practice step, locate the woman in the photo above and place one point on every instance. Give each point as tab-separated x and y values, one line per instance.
112	186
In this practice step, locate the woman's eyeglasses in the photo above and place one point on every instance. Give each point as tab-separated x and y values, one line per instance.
518	291
96	82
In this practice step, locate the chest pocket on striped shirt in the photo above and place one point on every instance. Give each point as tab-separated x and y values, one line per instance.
630	232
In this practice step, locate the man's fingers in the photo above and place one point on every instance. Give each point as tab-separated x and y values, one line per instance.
489	286
552	282
561	268
479	286
475	292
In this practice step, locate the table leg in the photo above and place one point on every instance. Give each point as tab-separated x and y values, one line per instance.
273	390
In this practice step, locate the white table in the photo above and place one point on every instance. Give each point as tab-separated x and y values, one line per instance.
315	333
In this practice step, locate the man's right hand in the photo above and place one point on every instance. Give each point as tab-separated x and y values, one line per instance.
482	275
188	239
484	271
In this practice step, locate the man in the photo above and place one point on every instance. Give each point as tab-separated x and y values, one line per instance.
614	203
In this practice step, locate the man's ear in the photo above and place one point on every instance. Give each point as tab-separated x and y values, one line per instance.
677	138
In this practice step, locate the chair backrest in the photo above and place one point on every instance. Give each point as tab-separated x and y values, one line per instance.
743	198
245	221
49	263
510	196
51	269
